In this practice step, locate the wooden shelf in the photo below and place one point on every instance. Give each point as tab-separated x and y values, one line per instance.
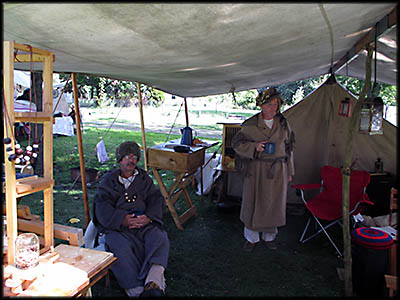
34	117
32	184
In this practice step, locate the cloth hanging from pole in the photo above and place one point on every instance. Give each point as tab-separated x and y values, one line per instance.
101	152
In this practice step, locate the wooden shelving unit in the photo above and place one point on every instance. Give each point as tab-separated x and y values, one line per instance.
228	154
68	276
15	52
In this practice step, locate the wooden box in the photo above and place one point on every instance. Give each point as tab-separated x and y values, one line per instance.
228	154
162	157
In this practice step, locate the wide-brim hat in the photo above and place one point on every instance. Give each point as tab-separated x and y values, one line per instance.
127	148
268	95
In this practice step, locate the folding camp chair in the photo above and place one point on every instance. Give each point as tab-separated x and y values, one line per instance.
326	207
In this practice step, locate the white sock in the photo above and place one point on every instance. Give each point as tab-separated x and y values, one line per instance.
251	235
156	274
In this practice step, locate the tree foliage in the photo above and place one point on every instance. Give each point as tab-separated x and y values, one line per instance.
103	91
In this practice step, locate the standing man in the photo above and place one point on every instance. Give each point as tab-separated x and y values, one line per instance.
264	148
128	210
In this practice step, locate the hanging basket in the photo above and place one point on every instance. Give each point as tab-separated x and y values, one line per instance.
91	174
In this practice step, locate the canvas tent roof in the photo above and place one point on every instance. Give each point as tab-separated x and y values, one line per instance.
321	137
199	49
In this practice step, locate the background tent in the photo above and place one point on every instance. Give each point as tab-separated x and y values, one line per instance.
22	78
59	104
321	137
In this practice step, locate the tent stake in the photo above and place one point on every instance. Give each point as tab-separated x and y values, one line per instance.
80	148
142	125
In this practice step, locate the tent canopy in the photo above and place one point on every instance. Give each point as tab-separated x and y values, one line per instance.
200	49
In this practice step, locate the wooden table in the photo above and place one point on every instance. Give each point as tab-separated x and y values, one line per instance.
65	271
184	165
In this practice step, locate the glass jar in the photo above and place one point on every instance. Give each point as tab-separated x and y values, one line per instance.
5	240
27	251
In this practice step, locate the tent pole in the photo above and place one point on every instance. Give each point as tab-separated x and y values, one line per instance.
142	125
186	113
80	148
346	171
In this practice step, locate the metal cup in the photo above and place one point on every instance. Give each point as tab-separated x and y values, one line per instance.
269	148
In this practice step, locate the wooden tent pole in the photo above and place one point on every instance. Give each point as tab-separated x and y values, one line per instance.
346	171
186	113
142	125
80	149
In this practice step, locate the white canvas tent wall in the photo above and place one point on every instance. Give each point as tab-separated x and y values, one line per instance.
321	137
24	79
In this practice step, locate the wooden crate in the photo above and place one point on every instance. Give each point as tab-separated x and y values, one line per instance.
161	157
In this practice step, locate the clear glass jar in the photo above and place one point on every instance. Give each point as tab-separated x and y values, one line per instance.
5	240
27	251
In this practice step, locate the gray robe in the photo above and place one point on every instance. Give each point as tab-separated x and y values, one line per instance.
136	249
266	175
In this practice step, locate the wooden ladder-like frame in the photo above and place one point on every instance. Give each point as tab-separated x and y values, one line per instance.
16	188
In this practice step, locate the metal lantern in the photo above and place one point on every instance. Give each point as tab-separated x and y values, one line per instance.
345	107
371	116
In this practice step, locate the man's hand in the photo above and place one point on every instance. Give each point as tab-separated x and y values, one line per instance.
133	221
260	146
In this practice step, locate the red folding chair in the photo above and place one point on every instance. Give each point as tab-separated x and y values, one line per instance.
326	207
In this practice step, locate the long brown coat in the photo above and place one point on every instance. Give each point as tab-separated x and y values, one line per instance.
264	199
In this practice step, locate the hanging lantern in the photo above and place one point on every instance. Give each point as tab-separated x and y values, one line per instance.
371	116
345	107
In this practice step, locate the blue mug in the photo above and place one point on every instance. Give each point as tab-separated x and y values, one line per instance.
269	148
137	211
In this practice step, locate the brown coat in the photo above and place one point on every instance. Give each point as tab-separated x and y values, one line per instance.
264	199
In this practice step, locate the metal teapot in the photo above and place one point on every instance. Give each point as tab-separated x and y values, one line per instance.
187	136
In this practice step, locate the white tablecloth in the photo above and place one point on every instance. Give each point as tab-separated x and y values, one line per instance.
63	126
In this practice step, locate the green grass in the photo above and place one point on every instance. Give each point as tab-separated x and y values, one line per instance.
205	258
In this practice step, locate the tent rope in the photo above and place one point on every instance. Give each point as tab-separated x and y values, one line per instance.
173	124
113	122
91	158
323	12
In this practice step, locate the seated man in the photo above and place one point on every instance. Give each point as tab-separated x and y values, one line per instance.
127	209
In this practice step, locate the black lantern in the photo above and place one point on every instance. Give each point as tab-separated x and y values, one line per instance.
371	116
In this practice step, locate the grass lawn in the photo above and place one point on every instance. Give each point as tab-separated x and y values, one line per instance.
206	257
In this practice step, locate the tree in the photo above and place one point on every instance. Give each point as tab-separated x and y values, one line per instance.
105	91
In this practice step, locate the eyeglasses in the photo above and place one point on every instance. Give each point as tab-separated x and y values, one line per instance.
130	156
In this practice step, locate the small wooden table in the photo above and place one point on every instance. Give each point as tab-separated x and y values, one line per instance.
66	271
184	165
94	263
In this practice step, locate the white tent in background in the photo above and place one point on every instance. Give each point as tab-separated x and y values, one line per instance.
321	137
22	78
